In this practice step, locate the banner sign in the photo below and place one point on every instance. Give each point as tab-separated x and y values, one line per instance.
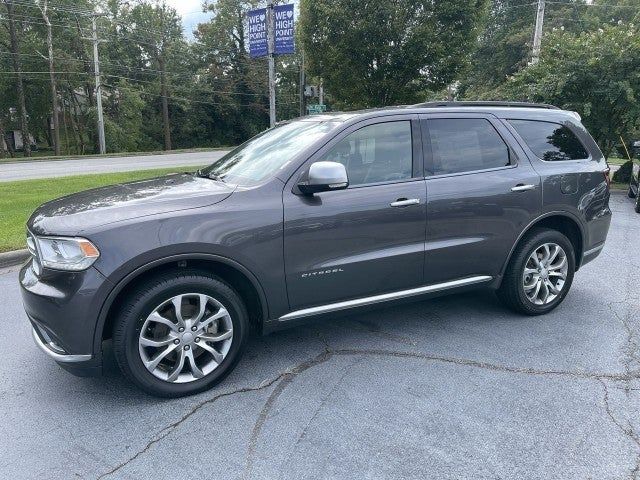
283	27
258	32
283	22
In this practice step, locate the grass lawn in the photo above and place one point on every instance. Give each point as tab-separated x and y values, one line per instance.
19	199
616	160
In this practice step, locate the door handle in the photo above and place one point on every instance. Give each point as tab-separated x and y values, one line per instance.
405	202
522	188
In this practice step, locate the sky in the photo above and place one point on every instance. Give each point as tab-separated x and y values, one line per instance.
191	13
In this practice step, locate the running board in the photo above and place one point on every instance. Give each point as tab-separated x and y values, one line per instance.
385	297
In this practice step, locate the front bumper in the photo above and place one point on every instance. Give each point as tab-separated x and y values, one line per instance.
63	309
51	348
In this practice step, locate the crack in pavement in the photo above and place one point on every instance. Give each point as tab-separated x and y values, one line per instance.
285	378
631	346
628	431
315	413
172	426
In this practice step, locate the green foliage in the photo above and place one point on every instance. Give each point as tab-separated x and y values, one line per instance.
596	73
124	121
385	53
623	174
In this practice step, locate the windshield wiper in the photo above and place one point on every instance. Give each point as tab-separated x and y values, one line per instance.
211	176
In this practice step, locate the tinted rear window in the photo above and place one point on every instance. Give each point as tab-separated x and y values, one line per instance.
550	141
465	145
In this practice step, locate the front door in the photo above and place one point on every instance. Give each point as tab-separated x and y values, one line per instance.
481	192
369	238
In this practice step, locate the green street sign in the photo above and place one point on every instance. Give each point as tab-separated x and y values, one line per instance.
319	108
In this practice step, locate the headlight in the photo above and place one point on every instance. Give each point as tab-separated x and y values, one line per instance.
62	253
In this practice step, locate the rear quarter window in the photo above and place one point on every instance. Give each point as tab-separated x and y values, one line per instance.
550	141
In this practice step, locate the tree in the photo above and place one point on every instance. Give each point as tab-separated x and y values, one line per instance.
596	73
383	53
17	68
234	80
44	7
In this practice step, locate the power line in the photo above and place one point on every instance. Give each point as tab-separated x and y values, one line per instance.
602	5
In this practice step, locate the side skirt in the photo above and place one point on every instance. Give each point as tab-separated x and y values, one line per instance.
385	297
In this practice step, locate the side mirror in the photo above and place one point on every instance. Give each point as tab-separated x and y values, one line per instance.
323	177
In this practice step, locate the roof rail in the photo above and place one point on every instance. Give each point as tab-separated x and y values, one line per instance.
486	104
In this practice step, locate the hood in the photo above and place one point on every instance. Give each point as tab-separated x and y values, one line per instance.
100	206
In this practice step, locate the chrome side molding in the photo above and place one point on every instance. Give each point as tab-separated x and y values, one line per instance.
385	297
593	250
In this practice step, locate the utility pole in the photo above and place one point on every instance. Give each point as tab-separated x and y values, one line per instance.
271	41
163	83
321	93
302	82
537	35
96	69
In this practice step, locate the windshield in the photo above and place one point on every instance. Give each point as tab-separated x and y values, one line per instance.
263	155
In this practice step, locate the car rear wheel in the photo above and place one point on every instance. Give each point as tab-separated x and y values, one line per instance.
539	274
180	333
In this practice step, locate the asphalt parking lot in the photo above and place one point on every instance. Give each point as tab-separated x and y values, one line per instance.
455	387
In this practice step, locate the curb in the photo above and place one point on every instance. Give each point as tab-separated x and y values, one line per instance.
11	259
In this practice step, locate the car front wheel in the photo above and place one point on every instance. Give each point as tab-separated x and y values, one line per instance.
180	333
539	274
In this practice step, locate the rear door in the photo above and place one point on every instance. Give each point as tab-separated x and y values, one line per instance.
572	168
481	193
366	239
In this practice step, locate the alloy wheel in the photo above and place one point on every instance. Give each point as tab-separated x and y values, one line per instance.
545	273
185	338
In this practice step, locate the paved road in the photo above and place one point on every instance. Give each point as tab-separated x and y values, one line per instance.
79	166
450	388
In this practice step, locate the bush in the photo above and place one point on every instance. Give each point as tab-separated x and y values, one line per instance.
623	175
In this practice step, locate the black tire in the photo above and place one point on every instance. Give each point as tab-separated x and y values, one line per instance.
511	291
141	302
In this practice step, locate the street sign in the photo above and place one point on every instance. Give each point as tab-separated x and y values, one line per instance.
318	108
284	29
258	32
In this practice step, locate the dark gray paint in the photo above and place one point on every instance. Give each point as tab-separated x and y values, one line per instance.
464	224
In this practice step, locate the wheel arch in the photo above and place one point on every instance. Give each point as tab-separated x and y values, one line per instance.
230	271
561	221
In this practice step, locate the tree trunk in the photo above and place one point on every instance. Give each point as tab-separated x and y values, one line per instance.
52	78
2	141
66	130
165	105
17	68
78	122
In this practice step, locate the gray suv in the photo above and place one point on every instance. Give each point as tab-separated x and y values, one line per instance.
317	215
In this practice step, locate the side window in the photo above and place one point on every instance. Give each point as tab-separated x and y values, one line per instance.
550	141
377	153
465	144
